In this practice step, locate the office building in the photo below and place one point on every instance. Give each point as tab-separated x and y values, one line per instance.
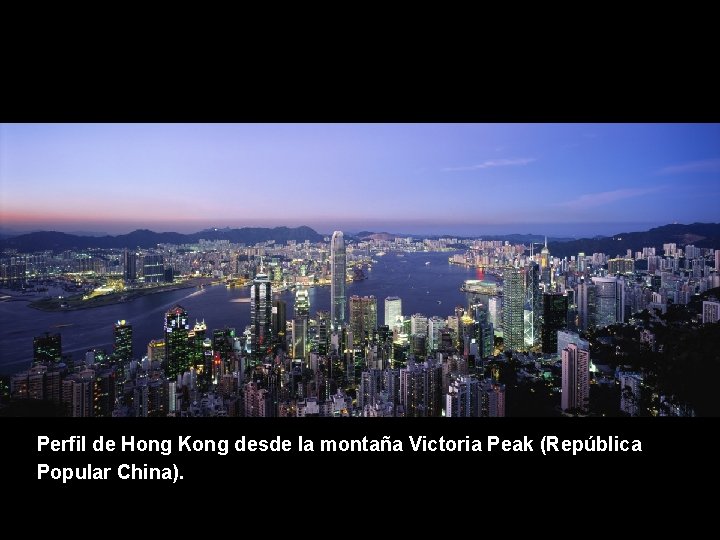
153	268
514	310
710	312
575	379
261	336
554	319
122	349
338	278
393	311
363	318
177	346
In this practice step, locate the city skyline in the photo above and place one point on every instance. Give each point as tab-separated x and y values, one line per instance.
560	179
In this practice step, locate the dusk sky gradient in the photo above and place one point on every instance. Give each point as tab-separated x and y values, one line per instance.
470	179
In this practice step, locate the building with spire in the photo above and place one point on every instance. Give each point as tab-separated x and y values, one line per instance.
338	263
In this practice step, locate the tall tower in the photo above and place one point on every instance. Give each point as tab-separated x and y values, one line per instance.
545	264
555	309
261	316
177	346
300	323
363	318
575	378
513	310
122	334
337	280
533	305
393	311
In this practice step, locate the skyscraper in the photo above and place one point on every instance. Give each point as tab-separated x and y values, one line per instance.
586	300
575	379
533	305
710	312
177	346
300	323
464	398
363	318
513	309
545	264
153	268
554	319
610	300
279	321
122	334
337	280
130	265
393	311
261	317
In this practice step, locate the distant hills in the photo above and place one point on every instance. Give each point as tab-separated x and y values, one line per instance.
699	234
143	238
705	235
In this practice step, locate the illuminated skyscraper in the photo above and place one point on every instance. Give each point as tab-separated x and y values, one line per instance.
261	317
513	309
122	333
610	300
554	319
153	268
393	311
302	302
575	379
337	280
545	264
363	318
533	305
177	346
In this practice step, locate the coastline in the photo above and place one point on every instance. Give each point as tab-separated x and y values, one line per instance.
75	303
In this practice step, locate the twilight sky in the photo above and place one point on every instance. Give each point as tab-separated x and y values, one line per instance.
558	179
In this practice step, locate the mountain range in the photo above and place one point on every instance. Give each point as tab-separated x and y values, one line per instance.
143	238
699	234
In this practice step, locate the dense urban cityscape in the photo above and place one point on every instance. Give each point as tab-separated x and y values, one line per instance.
585	334
359	270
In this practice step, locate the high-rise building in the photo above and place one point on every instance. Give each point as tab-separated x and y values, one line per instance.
586	300
533	304
545	264
363	318
279	321
418	324
630	392
302	302
554	319
435	324
717	260
393	311
610	300
338	264
565	338
621	266
421	389
513	309
261	339
494	399
177	347
711	312
130	259
575	379
47	348
153	268
122	333
464	398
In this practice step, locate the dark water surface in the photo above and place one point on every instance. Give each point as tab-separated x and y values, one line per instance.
419	285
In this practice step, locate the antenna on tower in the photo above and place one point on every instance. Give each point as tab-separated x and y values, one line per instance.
546	241
262	269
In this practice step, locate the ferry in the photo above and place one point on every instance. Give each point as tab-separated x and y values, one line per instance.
427	263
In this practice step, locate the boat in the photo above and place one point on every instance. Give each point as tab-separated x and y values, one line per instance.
427	263
439	301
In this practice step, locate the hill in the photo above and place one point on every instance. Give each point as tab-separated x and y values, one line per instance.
143	238
705	235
